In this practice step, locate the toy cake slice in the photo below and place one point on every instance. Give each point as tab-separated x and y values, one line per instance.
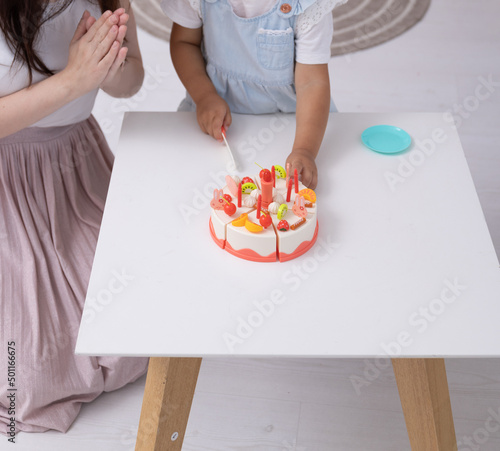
252	241
296	234
219	217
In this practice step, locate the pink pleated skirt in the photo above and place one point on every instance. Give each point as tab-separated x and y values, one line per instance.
53	185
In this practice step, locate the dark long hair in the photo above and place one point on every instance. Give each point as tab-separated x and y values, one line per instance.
20	22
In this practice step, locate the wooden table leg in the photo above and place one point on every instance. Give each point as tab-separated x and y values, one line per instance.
425	398
168	396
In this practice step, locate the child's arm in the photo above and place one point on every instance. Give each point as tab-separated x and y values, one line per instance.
125	76
312	85
92	53
211	110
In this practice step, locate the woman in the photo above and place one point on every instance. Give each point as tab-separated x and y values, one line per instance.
55	167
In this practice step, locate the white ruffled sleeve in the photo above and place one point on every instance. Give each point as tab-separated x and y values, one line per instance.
314	13
186	13
314	32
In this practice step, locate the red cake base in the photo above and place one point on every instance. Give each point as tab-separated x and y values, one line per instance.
249	254
301	249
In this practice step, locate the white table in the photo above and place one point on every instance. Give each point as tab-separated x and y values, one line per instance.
404	265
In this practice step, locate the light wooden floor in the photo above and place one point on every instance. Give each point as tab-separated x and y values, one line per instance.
289	405
312	405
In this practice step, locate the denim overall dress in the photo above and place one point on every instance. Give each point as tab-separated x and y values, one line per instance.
251	62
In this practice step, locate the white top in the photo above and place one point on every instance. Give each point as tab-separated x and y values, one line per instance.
403	265
313	28
53	47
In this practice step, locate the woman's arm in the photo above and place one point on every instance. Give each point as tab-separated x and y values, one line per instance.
127	73
312	85
91	55
212	111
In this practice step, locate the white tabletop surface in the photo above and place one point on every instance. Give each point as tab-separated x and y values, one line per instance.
404	264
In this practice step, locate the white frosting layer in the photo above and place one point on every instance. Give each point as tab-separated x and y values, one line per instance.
250	201
273	207
279	198
281	186
264	243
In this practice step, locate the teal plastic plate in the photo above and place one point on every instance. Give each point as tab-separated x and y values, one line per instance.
386	139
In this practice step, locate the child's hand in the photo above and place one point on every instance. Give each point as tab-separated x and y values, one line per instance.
212	113
303	161
93	52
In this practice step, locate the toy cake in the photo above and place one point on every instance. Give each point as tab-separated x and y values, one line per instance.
269	217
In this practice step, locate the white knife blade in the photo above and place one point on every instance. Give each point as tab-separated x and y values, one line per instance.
231	155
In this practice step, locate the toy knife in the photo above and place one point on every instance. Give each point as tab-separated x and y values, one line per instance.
231	155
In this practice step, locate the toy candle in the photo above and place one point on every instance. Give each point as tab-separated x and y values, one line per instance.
296	179
273	174
267	191
239	195
287	173
259	205
289	190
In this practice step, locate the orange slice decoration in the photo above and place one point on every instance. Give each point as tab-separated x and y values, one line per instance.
308	194
252	227
240	221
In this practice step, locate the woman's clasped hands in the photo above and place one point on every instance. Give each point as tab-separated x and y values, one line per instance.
96	52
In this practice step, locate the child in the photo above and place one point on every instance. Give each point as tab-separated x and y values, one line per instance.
55	167
256	57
